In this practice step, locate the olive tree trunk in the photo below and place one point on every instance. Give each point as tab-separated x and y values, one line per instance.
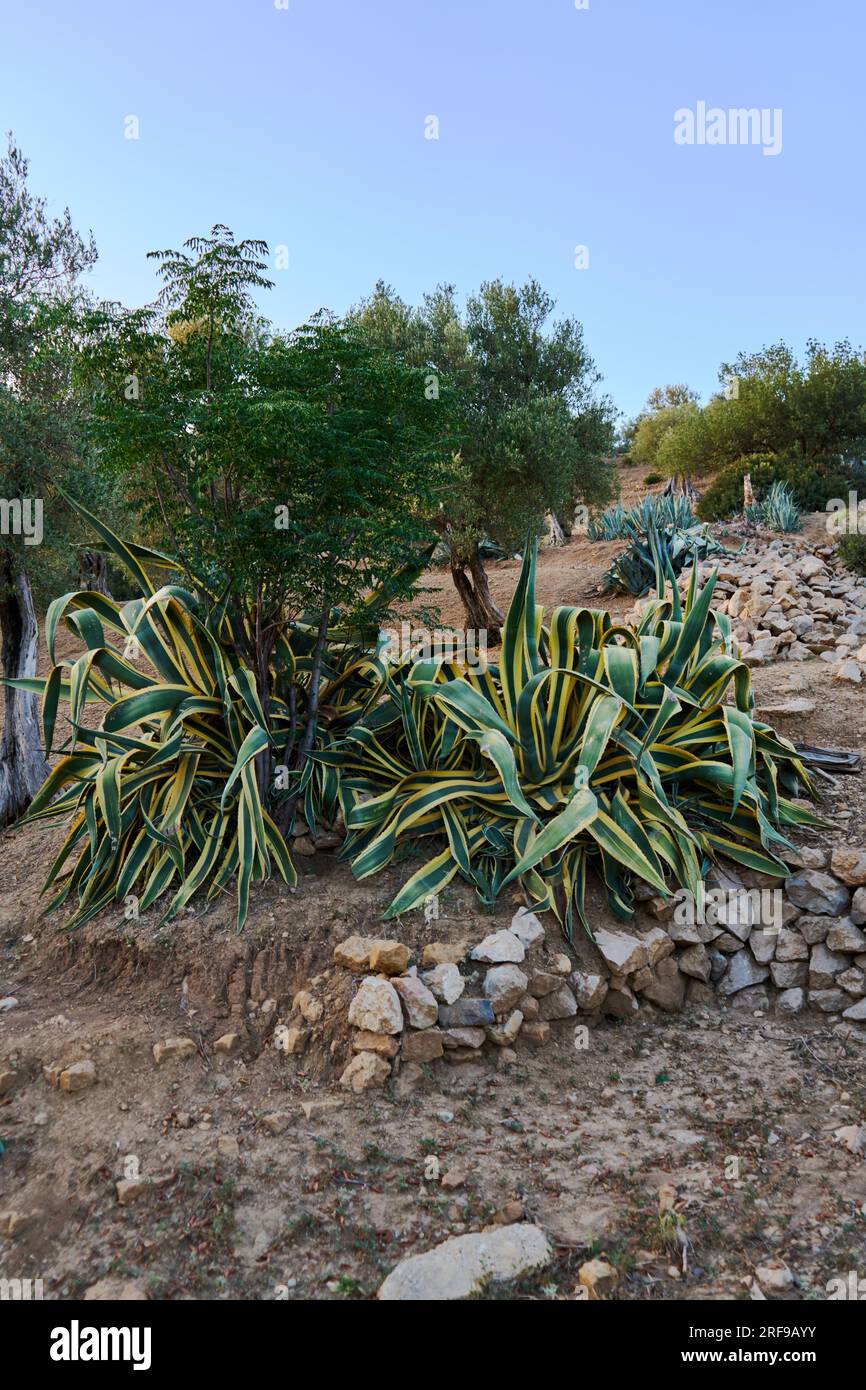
482	613
23	768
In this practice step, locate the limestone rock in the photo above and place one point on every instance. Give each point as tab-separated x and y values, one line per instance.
362	953
527	928
376	1007
824	966
423	1045
762	943
226	1044
504	1034
695	962
790	945
463	1265
753	997
78	1077
848	862
791	1001
857	1012
419	1003
589	989
829	1001
389	957
354	953
560	1004
503	986
365	1041
445	982
845	936
620	1002
818	893
308	1006
444	953
813	929
544	982
622	953
789	974
173	1049
658	944
858	908
453	1038
668	986
365	1070
502	947
537	1034
742	972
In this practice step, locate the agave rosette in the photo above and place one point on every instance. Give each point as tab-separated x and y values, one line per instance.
588	744
163	793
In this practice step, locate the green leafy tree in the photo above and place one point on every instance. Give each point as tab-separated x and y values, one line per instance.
812	413
290	475
534	434
667	407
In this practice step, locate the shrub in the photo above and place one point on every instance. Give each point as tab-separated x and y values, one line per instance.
852	552
812	484
652	478
589	745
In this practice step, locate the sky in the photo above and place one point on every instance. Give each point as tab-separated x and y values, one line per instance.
308	122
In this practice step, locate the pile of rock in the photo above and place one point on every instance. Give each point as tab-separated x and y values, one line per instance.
809	951
791	601
403	1014
511	987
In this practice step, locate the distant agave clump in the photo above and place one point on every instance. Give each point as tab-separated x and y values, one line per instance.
623	523
778	510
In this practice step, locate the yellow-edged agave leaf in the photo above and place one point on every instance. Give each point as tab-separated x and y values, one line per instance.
493	745
576	817
425	883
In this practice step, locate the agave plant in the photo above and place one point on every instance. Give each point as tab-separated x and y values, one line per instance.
657	554
621	523
588	745
164	792
778	510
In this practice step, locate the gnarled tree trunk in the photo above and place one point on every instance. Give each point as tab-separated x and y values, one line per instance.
23	768
680	483
470	581
93	571
555	533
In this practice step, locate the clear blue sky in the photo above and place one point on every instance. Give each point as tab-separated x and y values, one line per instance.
305	126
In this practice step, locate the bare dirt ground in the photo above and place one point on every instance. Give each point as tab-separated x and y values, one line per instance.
247	1197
